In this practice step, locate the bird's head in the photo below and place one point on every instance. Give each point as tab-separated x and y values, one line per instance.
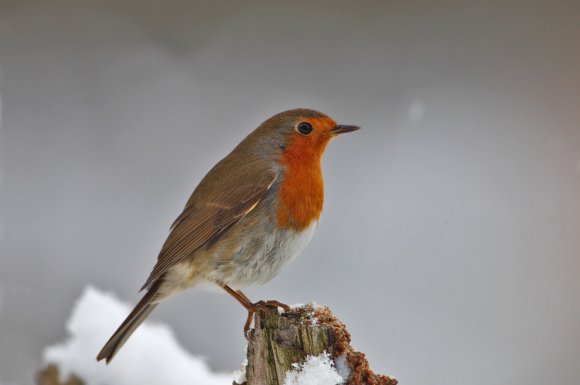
300	134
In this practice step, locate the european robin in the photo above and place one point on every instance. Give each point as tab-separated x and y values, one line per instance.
249	217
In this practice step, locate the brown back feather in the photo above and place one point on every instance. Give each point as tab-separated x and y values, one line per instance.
203	223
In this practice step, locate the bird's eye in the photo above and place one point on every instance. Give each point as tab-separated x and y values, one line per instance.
304	128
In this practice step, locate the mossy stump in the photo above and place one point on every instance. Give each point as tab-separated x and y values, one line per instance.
280	340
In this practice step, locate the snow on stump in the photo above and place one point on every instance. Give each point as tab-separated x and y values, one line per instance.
304	344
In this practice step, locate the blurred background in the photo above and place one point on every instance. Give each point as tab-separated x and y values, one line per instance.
450	241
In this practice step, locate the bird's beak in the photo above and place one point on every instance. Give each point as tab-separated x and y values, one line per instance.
341	129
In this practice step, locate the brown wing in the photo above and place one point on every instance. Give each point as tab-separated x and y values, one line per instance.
198	226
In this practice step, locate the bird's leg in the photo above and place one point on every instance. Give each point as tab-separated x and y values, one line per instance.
252	308
243	295
238	295
245	301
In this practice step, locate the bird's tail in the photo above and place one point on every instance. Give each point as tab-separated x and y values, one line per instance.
133	320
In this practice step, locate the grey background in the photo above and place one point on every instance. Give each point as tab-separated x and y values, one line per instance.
450	240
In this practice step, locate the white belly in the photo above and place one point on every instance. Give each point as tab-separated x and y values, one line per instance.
260	264
254	262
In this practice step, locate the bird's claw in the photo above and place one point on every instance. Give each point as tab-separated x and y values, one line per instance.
261	305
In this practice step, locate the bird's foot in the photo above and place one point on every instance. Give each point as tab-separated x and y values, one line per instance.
261	305
272	303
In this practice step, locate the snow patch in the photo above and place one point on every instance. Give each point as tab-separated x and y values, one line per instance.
314	305
316	370
240	375
342	366
310	315
151	356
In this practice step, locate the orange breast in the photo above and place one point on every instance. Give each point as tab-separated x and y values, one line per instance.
302	189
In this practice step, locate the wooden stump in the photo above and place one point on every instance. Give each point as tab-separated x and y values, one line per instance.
280	340
51	376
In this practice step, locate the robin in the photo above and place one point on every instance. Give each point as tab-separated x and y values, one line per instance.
252	214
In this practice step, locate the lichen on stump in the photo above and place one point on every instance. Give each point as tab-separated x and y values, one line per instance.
280	340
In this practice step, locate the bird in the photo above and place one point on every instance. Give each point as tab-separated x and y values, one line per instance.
252	213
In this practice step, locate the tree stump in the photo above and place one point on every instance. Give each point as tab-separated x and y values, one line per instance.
280	341
50	376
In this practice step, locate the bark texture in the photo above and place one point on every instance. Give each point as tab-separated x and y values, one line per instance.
280	340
